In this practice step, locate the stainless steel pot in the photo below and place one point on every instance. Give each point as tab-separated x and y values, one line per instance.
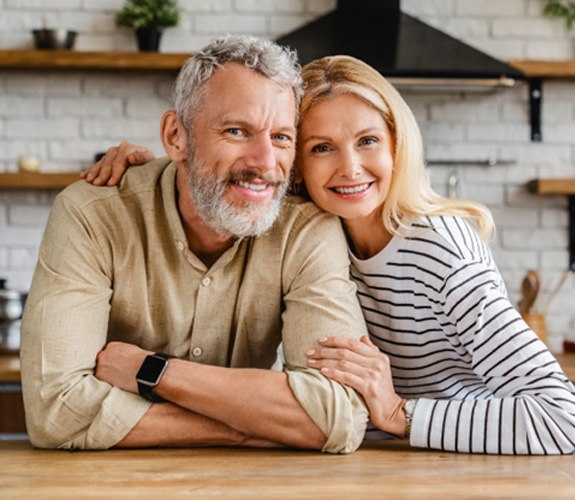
11	303
11	308
10	337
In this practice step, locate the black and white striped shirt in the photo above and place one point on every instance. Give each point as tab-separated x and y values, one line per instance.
436	304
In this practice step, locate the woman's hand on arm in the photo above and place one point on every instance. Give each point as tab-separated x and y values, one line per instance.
362	366
110	169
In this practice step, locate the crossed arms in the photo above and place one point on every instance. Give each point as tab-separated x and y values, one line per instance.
93	286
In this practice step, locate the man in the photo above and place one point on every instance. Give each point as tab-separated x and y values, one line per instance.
184	258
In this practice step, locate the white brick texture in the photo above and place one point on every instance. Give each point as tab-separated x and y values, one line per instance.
64	118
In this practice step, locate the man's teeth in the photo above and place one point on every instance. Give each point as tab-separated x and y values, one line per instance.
253	187
352	189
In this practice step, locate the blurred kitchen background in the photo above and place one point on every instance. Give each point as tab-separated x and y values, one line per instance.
478	143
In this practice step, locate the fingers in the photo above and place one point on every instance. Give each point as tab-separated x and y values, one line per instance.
110	169
342	367
100	172
353	380
341	356
362	347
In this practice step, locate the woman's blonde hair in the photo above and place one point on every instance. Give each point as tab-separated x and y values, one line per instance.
410	194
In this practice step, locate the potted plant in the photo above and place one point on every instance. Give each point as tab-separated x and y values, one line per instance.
561	8
149	18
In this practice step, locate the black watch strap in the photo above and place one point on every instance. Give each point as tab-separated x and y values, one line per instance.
150	374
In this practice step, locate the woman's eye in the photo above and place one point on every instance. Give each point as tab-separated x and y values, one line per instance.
320	148
366	141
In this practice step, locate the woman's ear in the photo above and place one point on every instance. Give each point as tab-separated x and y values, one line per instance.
174	137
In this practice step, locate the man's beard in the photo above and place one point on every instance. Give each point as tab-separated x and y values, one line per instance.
242	219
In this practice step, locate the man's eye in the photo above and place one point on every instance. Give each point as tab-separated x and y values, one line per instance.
233	131
282	137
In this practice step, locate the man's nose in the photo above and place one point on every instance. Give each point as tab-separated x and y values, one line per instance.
262	154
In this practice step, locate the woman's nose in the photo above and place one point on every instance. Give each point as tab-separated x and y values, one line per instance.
350	165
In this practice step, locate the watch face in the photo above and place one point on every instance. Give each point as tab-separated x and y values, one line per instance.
151	370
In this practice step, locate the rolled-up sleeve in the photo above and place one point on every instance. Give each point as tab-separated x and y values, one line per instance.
320	300
64	327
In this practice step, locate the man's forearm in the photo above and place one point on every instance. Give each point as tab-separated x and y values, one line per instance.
169	425
257	403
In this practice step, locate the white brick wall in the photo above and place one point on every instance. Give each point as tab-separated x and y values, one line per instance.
64	118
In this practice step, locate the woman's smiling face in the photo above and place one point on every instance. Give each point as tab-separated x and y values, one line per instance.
346	156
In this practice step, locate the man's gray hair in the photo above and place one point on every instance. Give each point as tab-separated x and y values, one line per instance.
277	63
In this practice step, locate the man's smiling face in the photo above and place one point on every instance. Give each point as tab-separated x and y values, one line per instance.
241	151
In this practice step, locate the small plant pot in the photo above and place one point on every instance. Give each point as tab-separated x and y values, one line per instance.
148	39
54	39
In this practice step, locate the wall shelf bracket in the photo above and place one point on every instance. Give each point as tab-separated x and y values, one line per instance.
535	95
571	211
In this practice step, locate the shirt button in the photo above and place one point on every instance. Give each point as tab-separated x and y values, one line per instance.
206	281
181	246
197	352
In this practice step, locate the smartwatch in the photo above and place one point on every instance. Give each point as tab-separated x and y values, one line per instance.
150	374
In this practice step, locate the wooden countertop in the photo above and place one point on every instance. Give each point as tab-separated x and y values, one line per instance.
389	469
10	366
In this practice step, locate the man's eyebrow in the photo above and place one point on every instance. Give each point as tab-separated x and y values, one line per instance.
288	128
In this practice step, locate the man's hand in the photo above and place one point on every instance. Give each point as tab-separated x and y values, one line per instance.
110	169
118	364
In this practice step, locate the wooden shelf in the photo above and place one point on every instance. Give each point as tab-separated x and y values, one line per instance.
546	69
536	72
163	61
9	368
560	187
37	181
552	186
74	60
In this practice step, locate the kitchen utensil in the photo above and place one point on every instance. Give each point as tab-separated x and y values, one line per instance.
11	303
529	291
536	321
57	39
11	307
10	337
556	290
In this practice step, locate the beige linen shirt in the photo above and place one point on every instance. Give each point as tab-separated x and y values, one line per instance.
114	264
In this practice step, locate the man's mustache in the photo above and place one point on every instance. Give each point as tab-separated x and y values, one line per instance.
250	174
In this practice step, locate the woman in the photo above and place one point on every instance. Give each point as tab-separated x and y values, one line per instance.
449	362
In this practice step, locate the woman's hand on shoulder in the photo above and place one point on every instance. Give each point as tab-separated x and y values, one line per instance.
109	170
362	366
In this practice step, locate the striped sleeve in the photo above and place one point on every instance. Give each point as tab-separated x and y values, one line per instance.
532	408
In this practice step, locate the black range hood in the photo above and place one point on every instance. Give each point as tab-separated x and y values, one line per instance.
399	46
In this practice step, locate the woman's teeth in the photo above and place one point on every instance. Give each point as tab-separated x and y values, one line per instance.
351	189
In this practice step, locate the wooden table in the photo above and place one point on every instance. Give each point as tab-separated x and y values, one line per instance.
379	469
